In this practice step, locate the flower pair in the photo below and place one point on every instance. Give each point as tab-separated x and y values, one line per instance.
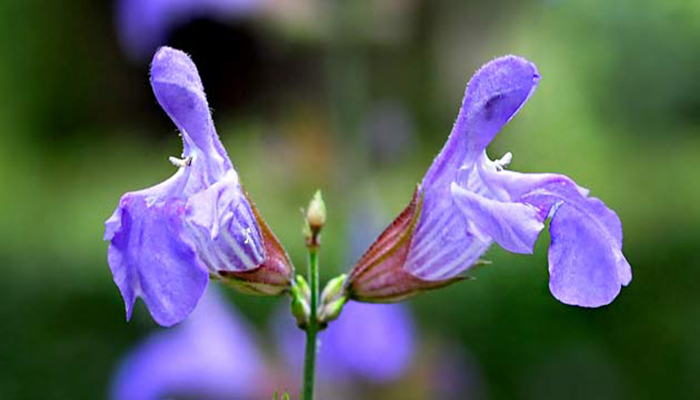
165	241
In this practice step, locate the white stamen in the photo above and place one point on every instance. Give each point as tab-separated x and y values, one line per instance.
181	163
503	162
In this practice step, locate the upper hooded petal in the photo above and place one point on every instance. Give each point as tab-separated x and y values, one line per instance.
445	242
151	257
178	88
493	96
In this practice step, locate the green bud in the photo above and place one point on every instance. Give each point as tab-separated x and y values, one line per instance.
303	286
300	306
334	289
331	311
284	396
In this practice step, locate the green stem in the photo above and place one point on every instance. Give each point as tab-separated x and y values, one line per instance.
312	328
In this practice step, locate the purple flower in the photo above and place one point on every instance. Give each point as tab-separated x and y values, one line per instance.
145	24
166	240
383	352
210	355
466	202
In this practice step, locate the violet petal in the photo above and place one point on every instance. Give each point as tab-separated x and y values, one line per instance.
178	88
586	264
514	226
150	258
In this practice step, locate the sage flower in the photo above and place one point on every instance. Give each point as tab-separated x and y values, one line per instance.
467	201
211	355
165	241
384	353
143	25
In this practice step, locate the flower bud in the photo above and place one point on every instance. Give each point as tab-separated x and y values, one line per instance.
316	214
333	298
303	286
331	311
334	289
300	305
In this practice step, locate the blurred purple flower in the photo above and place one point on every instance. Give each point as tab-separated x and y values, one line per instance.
373	342
210	355
389	132
454	373
144	25
466	202
166	240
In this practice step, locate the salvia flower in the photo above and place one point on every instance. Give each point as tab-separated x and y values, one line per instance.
383	353
145	24
211	355
165	241
467	201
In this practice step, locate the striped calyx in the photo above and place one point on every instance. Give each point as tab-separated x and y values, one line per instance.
379	276
274	275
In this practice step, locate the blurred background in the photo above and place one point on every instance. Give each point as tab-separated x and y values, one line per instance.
356	98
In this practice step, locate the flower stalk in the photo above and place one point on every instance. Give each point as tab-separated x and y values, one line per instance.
312	328
315	219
